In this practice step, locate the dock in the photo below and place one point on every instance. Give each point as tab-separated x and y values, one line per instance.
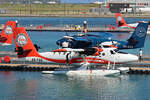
90	29
135	68
45	67
64	29
139	70
28	67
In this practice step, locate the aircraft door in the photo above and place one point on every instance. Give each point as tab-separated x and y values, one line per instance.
68	57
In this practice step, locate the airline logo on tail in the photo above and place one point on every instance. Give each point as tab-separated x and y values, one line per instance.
140	32
8	30
21	39
119	18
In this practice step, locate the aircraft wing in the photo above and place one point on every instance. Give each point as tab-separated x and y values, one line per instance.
86	51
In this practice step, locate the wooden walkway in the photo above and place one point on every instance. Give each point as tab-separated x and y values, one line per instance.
90	29
134	69
64	29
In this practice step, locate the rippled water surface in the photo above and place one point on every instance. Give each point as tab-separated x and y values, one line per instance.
37	86
47	40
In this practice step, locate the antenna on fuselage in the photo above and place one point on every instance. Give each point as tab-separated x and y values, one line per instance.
16	23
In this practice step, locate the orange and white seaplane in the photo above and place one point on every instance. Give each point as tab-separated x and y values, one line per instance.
84	57
6	36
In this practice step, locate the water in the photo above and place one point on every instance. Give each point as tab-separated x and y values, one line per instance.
67	21
47	40
36	86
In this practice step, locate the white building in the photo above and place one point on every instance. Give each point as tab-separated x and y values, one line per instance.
137	2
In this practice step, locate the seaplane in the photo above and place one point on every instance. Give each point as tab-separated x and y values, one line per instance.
6	36
82	58
123	24
136	40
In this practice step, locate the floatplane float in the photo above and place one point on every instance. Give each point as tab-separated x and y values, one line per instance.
87	72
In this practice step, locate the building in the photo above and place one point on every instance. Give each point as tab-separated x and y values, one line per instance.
136	2
130	6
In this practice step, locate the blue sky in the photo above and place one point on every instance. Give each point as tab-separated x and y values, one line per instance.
79	1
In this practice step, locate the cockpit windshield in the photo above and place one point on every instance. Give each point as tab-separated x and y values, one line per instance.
112	52
116	50
106	46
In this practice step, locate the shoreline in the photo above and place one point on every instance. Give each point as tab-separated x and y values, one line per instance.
77	16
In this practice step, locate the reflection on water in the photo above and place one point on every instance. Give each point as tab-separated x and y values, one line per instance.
92	87
37	86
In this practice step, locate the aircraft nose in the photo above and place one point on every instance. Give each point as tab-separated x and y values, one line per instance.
133	58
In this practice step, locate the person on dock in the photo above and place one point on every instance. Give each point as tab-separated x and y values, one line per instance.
140	55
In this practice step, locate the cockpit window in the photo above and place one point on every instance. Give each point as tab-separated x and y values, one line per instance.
122	52
106	46
112	52
116	50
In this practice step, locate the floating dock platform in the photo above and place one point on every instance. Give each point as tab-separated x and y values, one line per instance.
29	67
64	29
44	67
139	70
90	29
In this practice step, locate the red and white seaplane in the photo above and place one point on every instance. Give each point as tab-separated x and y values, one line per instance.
84	58
123	24
6	36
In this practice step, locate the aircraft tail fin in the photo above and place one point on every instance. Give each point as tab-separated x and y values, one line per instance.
120	20
24	45
6	36
137	39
